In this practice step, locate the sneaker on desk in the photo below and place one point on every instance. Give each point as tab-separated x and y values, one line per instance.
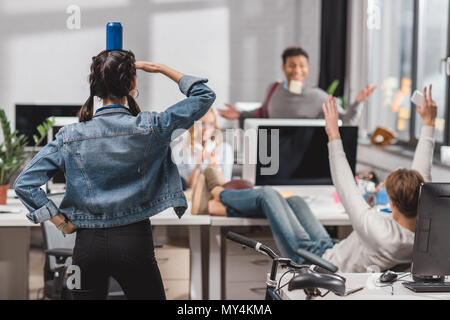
200	196
207	180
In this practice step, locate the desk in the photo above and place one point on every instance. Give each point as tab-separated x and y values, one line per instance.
370	292
198	275
320	200
15	247
14	229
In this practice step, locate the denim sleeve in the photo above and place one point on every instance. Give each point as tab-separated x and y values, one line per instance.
183	114
38	171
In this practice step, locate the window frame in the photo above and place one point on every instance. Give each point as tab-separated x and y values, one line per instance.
412	142
417	25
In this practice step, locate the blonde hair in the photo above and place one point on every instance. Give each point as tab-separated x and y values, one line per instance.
195	131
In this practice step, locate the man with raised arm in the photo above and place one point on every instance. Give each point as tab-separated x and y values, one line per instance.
379	240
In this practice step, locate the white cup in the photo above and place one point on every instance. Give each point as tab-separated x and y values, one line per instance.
445	155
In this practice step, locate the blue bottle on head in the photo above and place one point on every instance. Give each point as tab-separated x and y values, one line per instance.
113	36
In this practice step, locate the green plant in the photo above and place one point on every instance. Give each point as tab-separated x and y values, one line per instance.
43	129
332	89
12	150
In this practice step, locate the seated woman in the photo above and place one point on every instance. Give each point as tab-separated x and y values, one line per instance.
378	241
203	147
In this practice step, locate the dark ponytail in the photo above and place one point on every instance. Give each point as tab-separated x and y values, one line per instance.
87	110
112	75
132	104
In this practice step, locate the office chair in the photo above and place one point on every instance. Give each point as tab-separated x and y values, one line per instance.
58	256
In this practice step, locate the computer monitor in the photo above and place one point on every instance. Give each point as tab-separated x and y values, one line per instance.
29	116
431	253
303	151
59	180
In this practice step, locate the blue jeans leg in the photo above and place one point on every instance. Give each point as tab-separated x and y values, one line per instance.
266	202
304	214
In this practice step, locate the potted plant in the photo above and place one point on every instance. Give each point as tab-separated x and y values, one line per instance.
13	154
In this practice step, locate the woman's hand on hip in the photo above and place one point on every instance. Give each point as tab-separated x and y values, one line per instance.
70	228
58	219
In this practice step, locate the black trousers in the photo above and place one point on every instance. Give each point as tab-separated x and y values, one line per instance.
125	253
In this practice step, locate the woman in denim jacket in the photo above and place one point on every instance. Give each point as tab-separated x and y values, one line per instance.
119	172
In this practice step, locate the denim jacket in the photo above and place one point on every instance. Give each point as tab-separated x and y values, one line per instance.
118	167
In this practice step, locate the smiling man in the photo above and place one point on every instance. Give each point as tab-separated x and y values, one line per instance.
293	99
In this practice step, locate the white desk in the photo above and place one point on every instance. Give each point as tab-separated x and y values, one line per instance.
321	202
371	291
194	225
14	229
15	246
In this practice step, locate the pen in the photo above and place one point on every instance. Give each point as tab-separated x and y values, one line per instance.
349	292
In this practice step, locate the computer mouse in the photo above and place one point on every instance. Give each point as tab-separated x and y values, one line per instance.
388	276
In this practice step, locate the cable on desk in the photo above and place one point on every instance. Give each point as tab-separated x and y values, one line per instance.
391	284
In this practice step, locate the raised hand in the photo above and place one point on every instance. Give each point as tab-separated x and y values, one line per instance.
230	113
365	93
151	67
154	67
428	111
331	113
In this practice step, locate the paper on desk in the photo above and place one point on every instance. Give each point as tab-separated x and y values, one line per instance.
6	209
188	195
336	197
286	194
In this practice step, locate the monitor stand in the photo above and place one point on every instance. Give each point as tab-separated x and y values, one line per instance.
428	279
428	284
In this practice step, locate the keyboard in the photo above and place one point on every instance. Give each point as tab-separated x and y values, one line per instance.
428	286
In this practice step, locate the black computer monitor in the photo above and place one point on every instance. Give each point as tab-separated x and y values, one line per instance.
29	116
431	254
303	154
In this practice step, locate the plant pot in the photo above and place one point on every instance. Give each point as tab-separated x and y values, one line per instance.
3	193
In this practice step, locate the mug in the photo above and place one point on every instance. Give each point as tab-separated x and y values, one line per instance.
445	155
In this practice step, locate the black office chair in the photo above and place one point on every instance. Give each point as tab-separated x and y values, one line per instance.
58	257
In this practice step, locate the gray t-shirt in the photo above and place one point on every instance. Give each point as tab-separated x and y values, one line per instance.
307	105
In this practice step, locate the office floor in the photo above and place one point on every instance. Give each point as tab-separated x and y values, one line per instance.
178	237
37	256
36	279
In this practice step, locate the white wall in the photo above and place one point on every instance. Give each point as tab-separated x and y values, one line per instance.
236	44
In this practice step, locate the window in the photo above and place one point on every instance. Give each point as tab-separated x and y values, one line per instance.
432	44
389	65
406	48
